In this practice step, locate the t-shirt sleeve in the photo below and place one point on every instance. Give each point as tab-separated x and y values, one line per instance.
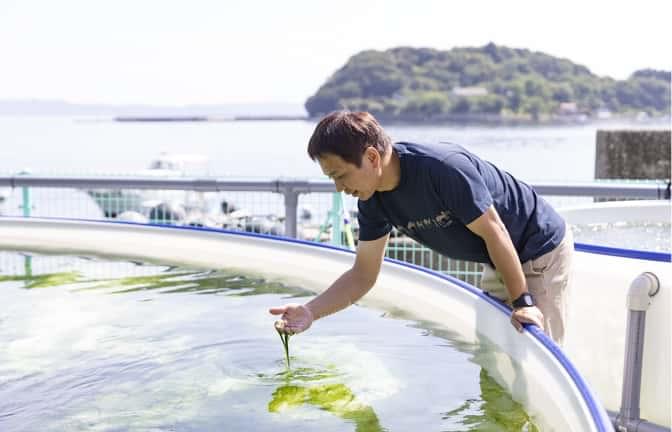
462	188
373	224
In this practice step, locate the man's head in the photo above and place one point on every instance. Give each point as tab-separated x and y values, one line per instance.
348	134
350	147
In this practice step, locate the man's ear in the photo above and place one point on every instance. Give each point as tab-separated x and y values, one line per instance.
373	155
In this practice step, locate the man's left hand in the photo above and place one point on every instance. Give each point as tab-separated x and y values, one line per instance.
528	315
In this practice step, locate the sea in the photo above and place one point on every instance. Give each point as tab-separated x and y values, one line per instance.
274	149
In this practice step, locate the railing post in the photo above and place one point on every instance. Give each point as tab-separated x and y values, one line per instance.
336	218
291	190
25	199
291	205
28	266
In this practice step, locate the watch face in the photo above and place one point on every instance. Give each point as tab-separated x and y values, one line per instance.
525	300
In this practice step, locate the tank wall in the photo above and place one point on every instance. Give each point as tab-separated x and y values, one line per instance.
597	310
619	211
522	363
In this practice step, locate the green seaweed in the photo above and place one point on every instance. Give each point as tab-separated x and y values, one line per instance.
284	337
336	399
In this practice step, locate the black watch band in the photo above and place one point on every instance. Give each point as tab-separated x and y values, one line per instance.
525	300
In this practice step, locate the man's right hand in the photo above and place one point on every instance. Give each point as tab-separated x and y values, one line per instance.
297	317
527	315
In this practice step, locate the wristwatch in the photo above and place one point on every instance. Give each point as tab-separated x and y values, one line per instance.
525	300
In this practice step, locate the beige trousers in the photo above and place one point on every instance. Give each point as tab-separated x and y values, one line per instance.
548	279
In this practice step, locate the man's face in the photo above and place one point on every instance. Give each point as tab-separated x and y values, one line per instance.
359	182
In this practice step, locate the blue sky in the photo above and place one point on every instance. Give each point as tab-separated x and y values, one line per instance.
203	51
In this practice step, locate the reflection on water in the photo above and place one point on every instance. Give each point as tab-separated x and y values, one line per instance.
110	346
494	411
43	280
174	281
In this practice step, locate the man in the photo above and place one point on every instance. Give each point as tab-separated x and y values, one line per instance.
451	201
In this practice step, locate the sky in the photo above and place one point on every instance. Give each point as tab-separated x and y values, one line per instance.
171	52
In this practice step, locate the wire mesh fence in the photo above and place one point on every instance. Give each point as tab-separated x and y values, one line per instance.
320	216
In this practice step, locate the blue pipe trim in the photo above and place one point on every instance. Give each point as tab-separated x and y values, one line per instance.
623	253
601	420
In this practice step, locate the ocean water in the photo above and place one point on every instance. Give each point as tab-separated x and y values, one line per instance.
267	150
271	149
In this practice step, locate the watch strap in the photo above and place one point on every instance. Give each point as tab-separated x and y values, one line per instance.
524	300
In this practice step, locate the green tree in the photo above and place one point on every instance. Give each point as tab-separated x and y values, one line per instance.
323	102
562	92
400	82
462	106
426	105
490	104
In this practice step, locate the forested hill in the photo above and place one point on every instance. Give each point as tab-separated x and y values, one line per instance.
492	81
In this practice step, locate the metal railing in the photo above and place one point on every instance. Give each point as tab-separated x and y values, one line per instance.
116	194
291	189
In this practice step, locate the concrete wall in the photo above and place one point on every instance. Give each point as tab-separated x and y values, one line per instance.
632	154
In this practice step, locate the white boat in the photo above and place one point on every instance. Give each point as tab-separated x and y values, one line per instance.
161	206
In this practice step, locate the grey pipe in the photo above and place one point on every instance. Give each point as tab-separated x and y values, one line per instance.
632	373
642	290
634	425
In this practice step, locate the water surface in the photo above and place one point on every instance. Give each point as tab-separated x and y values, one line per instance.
652	237
91	345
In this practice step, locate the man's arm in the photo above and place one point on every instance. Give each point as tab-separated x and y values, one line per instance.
503	254
346	290
354	283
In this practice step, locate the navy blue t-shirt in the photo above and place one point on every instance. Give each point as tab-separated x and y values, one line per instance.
442	189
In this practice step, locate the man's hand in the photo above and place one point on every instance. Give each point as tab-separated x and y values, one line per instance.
529	315
296	317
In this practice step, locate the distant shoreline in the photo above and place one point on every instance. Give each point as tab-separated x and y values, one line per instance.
471	120
207	118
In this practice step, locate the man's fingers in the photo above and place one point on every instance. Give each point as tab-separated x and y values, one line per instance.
519	317
294	318
516	324
278	310
533	319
